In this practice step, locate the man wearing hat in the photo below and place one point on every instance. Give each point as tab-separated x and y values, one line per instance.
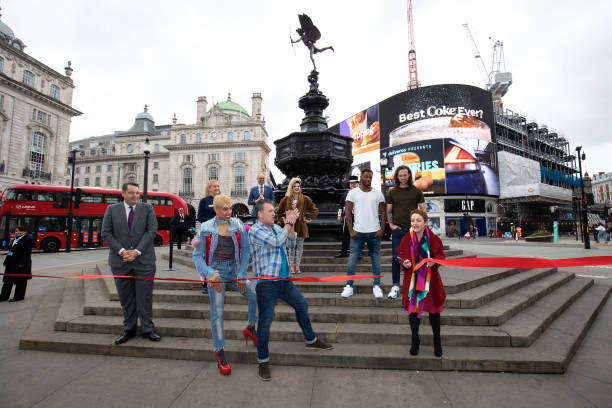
346	238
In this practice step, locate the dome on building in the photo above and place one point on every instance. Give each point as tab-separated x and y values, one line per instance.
229	106
6	31
145	114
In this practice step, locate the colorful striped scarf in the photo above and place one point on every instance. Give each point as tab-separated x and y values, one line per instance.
420	278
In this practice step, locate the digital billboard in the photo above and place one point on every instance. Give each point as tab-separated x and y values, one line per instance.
444	133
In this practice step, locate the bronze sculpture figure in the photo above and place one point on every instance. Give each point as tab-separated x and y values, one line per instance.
309	35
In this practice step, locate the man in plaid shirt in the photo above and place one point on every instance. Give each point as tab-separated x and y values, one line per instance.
267	242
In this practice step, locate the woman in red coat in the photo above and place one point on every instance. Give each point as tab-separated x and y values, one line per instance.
422	288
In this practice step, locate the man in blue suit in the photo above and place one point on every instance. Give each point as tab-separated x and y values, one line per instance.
259	192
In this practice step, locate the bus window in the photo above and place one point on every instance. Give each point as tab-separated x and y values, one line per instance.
92	198
51	224
163	223
25	195
61	199
112	198
26	221
11	194
42	195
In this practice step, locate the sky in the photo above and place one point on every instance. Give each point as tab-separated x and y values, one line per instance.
126	54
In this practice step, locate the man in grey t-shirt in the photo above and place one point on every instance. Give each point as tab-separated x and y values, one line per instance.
367	206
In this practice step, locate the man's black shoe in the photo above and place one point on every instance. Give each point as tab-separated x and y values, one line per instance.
125	336
151	336
15	300
340	255
204	289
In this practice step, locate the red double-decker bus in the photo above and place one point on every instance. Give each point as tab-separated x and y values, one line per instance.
43	210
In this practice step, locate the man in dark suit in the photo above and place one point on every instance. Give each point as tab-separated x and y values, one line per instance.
259	192
180	225
18	261
346	238
129	229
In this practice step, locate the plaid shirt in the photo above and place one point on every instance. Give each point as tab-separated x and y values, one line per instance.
266	247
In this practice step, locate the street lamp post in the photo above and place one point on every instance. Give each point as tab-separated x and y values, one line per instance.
583	211
71	160
147	151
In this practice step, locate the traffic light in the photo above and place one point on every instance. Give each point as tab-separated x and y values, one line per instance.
77	198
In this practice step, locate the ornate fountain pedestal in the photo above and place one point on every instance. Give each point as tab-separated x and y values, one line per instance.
320	158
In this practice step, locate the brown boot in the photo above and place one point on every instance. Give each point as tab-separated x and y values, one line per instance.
264	371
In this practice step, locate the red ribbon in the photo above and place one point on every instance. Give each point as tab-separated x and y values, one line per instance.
516	262
341	278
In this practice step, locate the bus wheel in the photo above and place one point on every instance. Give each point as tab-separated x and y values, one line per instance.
50	245
158	241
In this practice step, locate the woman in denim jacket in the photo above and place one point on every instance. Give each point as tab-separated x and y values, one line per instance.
222	253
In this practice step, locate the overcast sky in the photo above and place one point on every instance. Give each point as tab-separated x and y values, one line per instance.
167	53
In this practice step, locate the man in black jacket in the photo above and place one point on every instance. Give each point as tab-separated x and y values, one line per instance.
346	238
18	261
180	225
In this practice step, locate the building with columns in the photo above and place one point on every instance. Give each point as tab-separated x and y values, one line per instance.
223	143
35	115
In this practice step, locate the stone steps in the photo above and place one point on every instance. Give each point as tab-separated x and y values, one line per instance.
548	353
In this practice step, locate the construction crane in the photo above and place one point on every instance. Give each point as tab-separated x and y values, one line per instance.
413	81
497	80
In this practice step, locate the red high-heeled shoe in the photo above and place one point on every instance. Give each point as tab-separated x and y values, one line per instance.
224	369
248	333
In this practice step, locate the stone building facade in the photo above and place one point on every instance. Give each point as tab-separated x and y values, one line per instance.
224	143
35	115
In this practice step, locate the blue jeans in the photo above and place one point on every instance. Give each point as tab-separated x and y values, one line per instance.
601	235
268	292
356	248
227	271
396	238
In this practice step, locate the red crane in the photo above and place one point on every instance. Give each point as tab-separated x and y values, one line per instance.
413	81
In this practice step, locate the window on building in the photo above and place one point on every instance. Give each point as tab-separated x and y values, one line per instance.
41	117
86	181
109	180
109	168
213	173
28	77
97	181
77	170
214	156
37	152
87	169
67	183
132	179
240	156
183	139
187	157
1	64
239	180
156	165
187	179
76	182
230	136
1	100
131	167
54	91
98	169
156	148
156	178
198	138
247	135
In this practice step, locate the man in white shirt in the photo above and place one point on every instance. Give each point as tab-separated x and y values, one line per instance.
367	206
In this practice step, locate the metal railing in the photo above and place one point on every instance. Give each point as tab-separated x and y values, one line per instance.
187	194
36	174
